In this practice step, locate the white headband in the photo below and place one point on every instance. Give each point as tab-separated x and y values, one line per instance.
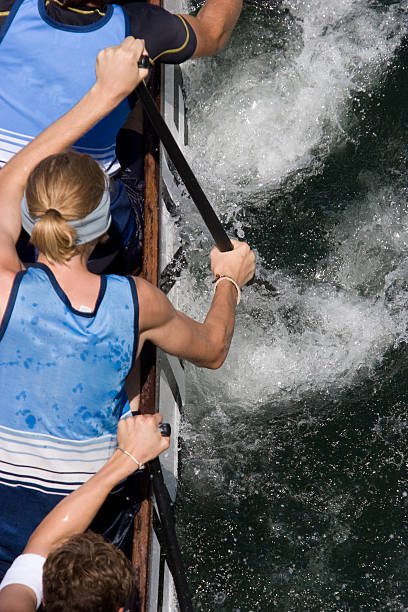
88	228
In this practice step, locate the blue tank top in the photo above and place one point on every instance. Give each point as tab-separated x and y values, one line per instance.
62	375
45	68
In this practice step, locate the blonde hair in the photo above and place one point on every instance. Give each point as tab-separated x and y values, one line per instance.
63	187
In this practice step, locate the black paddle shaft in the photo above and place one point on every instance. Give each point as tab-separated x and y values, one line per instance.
173	554
192	185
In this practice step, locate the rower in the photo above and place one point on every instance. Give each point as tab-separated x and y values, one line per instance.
54	43
68	337
82	570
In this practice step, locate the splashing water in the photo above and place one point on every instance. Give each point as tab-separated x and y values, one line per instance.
322	332
276	103
294	488
309	338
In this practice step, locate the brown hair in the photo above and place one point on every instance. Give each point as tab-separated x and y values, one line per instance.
87	574
61	188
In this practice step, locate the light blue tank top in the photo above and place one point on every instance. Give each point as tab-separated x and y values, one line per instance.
62	371
45	68
62	375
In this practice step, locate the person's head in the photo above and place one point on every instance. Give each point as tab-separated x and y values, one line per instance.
61	188
87	574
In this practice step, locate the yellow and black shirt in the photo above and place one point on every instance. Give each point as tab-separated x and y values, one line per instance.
168	37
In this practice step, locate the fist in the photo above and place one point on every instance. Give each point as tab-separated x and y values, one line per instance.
140	436
238	264
117	70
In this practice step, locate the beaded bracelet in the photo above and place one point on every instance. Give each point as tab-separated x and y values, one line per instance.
219	277
140	465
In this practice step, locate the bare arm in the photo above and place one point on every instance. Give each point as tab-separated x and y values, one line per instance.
204	344
213	25
117	75
17	598
139	436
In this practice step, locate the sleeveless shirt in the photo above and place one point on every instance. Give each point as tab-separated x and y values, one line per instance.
39	84
62	375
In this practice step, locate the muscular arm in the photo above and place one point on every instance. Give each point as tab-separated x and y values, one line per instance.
213	25
141	438
174	38
204	344
13	176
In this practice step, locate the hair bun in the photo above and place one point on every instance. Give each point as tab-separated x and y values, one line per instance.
54	211
75	183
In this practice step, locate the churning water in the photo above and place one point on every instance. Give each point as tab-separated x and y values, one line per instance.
294	490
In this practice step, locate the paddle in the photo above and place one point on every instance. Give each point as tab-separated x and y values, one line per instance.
173	553
193	187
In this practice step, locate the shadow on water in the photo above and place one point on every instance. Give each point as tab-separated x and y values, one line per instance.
308	511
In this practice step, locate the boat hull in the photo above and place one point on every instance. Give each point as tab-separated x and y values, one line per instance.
163	378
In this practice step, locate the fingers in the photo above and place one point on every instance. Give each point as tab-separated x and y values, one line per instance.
135	48
134	45
140	436
117	69
238	264
133	423
237	244
165	443
130	42
158	417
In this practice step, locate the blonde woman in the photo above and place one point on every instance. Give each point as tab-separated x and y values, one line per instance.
68	338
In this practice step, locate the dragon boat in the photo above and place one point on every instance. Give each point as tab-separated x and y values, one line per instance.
162	376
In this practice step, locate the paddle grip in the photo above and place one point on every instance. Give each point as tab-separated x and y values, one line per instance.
144	62
165	429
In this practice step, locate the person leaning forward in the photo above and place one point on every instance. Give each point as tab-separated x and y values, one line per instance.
54	44
82	571
68	338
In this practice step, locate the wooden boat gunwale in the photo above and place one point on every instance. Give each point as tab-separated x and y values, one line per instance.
162	377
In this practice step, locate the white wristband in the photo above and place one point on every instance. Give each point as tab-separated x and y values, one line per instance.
140	465
231	280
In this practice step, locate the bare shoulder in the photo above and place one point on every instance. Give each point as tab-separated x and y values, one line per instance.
17	598
154	307
145	292
7	278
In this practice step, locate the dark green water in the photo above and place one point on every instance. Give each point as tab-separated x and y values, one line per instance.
294	488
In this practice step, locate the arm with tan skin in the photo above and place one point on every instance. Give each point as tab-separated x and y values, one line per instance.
141	438
117	74
204	344
213	25
17	598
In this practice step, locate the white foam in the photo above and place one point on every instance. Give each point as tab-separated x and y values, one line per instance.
370	252
370	239
309	339
280	114
264	115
